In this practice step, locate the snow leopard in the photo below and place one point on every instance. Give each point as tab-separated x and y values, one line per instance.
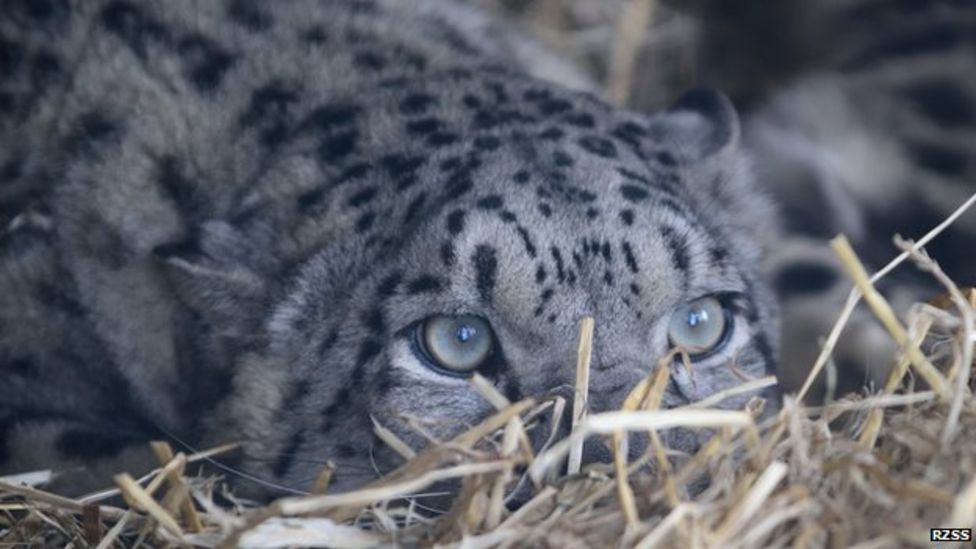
276	223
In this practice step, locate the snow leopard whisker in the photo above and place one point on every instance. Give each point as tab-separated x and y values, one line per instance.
232	470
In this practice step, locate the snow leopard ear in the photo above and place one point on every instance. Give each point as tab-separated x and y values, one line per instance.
702	124
218	273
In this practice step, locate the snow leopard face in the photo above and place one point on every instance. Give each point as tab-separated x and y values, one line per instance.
484	254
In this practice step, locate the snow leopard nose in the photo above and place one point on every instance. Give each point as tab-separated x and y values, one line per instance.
607	392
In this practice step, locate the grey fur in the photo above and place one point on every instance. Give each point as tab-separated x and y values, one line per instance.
231	217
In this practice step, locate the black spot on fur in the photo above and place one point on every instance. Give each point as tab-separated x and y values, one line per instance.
286	458
370	60
666	159
805	278
578	260
598	146
633	193
424	126
389	284
310	200
132	26
414	208
269	107
425	284
88	445
448	256
547	294
328	344
521	177
181	190
631	128
458	186
471	101
38	11
363	197
487	142
558	258
206	62
338	146
356	171
249	15
400	164
496	117
679	249
536	94
491	202
455	222
90	130
540	274
315	35
367	351
329	117
627	217
417	103
365	222
545	209
552	134
58	299
527	241
373	320
629	257
582	120
718	255
550	107
451	164
584	195
442	139
634	176
485	262
105	243
562	159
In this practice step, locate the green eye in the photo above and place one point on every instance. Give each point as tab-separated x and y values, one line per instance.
459	344
700	327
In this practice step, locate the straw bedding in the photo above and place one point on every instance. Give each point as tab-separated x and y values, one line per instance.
873	470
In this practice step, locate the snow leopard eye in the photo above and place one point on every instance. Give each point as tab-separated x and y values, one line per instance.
701	327
458	344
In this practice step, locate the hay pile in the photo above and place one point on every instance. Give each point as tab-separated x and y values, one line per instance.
866	471
876	470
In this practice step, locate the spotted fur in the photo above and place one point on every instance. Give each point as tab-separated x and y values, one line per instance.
224	220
